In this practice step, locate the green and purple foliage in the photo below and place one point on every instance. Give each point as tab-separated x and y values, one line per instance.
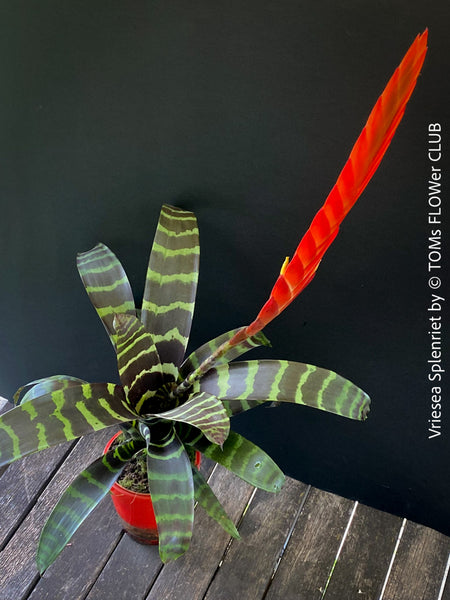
168	405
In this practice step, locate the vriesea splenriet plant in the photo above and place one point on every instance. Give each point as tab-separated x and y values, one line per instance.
168	405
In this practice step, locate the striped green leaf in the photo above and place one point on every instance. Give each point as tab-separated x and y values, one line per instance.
205	412
172	489
130	430
205	352
138	361
209	502
215	353
39	387
106	284
144	430
60	416
80	499
239	455
241	385
171	285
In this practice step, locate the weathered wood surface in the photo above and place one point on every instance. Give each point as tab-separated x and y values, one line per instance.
302	544
312	548
18	571
22	484
423	552
258	540
366	554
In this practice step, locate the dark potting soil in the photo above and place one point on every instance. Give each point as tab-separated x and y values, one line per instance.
134	475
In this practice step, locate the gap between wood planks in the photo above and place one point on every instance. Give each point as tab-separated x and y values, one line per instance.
341	545
282	551
38	493
444	579
228	546
287	540
394	556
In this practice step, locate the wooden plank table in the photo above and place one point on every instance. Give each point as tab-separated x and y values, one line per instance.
300	544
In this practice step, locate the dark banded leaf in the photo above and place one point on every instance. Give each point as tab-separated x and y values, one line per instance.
208	501
172	490
130	430
60	416
239	455
80	498
171	284
144	431
284	381
204	352
235	407
205	412
39	387
106	283
138	361
215	353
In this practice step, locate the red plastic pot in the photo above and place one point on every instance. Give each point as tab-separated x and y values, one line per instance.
135	509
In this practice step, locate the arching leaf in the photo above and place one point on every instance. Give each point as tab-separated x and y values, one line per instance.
215	353
209	502
205	412
172	489
106	284
239	455
80	499
60	416
171	285
242	385
39	387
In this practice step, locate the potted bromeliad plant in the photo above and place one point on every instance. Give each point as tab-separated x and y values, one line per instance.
170	407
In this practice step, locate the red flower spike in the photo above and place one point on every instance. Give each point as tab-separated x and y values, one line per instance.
362	163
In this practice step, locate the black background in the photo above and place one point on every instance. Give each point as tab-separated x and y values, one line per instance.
243	112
